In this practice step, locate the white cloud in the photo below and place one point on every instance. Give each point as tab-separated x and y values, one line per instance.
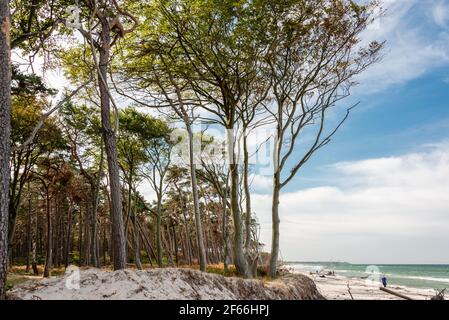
147	191
386	210
411	49
261	183
440	14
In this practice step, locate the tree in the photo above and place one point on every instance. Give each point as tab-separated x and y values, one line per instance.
110	29
158	152
216	174
53	174
312	60
137	144
83	130
34	22
211	46
151	67
25	116
5	130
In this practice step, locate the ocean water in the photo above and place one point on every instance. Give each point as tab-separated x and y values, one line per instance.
411	275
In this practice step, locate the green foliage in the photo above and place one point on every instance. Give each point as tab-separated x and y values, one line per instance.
25	114
28	84
138	131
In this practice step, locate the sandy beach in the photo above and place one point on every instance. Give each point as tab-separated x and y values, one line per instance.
336	288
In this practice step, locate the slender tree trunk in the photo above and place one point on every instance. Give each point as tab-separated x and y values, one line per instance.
175	241
94	241
186	225
275	200
147	243
247	197
48	259
158	231
118	234
87	234
224	202
35	240
5	131
136	239
29	237
240	261
275	227
196	205
69	236
56	230
80	236
167	245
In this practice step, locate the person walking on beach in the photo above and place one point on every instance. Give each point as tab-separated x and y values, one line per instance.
384	281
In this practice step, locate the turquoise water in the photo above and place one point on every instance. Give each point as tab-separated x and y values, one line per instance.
410	275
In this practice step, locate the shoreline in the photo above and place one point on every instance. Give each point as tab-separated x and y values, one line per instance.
335	287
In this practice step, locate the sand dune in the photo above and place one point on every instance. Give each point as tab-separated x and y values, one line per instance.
161	284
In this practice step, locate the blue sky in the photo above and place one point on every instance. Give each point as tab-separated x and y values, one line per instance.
388	123
379	192
403	109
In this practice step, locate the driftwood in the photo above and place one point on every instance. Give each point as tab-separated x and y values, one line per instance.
395	293
349	290
439	295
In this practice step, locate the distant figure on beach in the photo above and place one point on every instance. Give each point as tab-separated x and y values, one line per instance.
384	281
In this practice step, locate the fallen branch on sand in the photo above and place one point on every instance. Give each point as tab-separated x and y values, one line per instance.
349	290
395	293
439	295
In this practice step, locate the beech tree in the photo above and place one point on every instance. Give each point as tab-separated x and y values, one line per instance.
312	61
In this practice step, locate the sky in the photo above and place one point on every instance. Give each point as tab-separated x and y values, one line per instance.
379	193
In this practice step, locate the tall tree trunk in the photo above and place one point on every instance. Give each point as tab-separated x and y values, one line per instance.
275	226
69	237
34	246
240	261
188	240
186	225
225	229
5	132
57	229
87	235
136	239
29	237
80	236
158	231
118	234
196	205
94	240
247	197
49	254
147	244
275	200
165	234
175	242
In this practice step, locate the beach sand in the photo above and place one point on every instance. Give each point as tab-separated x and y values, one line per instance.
336	288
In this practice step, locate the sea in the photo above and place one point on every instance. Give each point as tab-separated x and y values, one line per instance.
426	276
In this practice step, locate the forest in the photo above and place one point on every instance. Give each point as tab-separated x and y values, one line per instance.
146	86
